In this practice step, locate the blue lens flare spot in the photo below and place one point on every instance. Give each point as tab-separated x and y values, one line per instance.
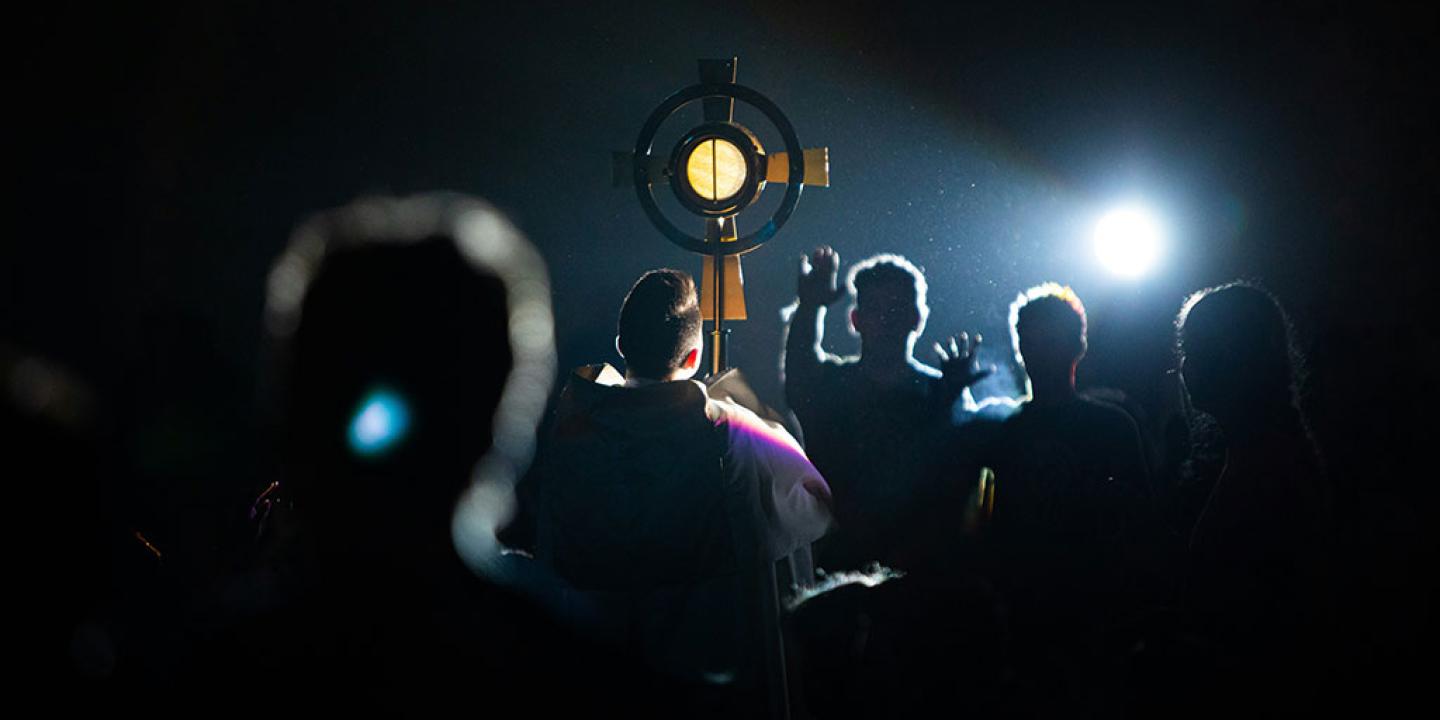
379	424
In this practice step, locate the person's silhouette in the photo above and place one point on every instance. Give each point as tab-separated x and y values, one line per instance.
1070	515
662	505
875	423
414	346
1255	584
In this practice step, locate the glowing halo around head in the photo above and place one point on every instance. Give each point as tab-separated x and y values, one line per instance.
1128	240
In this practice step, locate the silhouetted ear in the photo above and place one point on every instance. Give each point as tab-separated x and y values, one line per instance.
619	349
854	313
692	360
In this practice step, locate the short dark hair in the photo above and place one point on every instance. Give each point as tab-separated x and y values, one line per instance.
660	318
887	269
1052	305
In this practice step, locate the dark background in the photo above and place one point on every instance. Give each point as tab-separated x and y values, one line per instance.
166	151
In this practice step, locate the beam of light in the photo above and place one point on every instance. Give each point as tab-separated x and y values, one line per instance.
1127	241
380	423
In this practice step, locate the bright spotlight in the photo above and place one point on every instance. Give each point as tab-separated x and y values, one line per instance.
1127	241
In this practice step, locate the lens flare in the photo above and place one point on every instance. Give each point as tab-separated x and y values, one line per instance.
379	424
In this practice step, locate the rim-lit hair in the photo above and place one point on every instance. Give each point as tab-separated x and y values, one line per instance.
1047	294
889	269
1255	318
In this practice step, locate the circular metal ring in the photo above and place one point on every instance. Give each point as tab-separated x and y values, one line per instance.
645	190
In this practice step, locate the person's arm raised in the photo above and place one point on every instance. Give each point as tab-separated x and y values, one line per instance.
817	287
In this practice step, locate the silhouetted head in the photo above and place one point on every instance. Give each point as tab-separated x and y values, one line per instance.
415	338
889	295
1047	329
1236	352
659	330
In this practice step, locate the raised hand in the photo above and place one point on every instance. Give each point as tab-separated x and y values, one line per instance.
817	284
958	362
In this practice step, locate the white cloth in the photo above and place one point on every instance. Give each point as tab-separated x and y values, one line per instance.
796	498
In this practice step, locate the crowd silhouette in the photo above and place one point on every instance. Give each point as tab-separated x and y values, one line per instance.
1031	558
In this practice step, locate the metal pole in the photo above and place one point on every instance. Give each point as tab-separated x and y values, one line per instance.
718	358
